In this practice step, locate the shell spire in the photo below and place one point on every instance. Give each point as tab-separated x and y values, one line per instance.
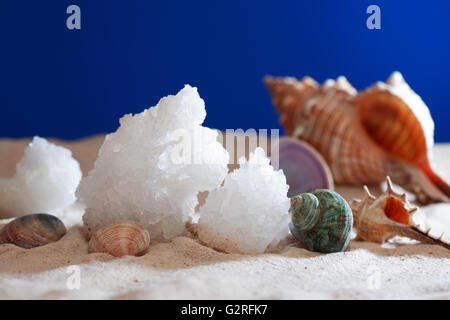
379	219
286	93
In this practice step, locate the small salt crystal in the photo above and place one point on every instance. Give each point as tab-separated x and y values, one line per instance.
151	169
250	211
45	181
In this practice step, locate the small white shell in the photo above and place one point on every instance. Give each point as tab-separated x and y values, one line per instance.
122	239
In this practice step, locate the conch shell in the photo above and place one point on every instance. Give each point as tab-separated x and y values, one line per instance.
389	215
384	130
122	239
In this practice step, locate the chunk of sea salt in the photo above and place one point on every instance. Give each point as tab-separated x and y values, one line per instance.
45	181
151	169
250	211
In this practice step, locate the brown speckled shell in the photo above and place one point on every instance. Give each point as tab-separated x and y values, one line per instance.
126	238
363	137
322	116
33	230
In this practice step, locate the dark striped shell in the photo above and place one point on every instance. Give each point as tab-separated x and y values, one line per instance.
33	230
321	220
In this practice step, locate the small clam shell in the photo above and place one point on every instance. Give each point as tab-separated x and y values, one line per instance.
122	239
33	230
322	220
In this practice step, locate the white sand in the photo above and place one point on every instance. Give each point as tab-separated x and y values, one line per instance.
185	269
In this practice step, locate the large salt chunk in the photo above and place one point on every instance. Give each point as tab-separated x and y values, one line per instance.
151	169
45	181
250	211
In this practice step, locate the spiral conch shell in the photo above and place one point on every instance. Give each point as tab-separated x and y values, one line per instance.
384	130
33	230
322	220
389	215
122	239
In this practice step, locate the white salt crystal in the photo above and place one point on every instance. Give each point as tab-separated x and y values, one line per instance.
45	181
250	211
151	169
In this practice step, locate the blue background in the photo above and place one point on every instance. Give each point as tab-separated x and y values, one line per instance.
128	54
